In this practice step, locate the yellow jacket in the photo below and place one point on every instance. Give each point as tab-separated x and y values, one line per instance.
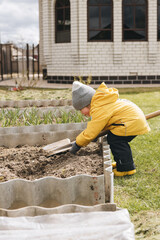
107	109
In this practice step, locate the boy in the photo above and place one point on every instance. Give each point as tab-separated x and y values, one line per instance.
124	120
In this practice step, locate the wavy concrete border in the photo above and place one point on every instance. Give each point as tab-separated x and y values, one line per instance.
52	192
42	128
35	103
39	134
68	208
108	174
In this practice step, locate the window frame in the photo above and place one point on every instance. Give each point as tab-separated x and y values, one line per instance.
111	29
56	20
146	23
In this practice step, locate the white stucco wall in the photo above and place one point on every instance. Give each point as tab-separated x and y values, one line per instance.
83	58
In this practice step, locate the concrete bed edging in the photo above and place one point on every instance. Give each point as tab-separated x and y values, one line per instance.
20	197
43	128
108	174
33	211
52	192
39	134
34	103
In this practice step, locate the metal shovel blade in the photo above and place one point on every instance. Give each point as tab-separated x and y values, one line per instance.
58	147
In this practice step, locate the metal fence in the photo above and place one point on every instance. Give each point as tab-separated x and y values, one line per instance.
18	62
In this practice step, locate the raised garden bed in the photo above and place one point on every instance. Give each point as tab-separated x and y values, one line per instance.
82	178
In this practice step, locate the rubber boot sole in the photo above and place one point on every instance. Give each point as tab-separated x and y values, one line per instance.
122	174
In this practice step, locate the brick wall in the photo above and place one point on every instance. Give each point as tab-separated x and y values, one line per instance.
117	61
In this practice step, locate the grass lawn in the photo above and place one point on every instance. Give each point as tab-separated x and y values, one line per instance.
140	193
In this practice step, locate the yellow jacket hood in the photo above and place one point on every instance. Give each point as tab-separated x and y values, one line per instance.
104	95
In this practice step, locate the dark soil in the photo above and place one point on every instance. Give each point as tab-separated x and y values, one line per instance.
31	163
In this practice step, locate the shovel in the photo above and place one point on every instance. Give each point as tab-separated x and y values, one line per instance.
58	147
65	144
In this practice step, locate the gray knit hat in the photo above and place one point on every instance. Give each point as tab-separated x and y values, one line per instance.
81	95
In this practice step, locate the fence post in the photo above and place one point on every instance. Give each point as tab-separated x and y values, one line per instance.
10	60
38	59
1	62
33	59
17	64
22	62
27	55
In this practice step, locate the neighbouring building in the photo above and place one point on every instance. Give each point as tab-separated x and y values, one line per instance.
115	41
17	60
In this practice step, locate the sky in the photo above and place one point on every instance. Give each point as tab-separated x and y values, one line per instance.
19	21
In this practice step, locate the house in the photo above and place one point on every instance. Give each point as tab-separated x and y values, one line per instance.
115	41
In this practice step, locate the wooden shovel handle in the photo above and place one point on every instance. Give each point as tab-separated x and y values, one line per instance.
148	116
152	115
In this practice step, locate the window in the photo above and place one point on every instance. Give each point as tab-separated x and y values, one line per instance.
62	14
100	15
158	34
134	20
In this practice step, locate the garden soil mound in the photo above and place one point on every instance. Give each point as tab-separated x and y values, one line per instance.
31	162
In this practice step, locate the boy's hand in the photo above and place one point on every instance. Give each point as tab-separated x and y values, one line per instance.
75	148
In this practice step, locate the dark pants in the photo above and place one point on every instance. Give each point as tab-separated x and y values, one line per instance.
121	151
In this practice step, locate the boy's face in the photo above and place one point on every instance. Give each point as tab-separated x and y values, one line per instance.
85	111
